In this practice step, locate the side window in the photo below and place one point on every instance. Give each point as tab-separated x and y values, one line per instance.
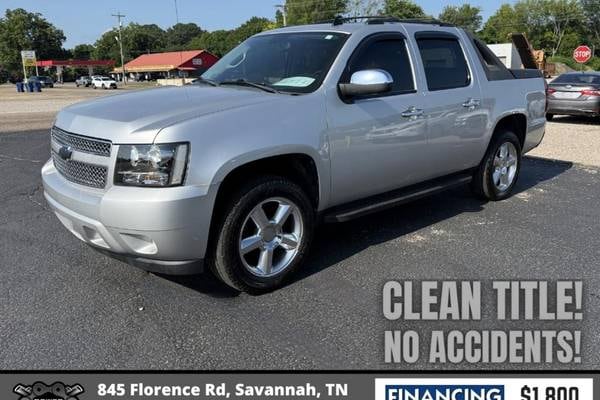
390	55
444	63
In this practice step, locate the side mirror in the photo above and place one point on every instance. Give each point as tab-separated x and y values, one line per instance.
367	82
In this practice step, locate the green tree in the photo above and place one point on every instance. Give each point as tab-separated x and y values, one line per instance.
137	39
556	17
278	18
591	10
249	28
179	35
217	42
107	47
465	16
22	30
364	7
506	20
310	11
405	9
140	39
83	52
222	41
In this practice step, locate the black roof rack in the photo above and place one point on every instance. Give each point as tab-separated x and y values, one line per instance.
382	19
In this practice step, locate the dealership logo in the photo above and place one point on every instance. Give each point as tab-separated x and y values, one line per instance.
55	391
444	392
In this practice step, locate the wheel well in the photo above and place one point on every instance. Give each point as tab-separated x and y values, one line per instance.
516	123
299	168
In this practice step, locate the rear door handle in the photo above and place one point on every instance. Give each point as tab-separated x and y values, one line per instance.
472	103
412	113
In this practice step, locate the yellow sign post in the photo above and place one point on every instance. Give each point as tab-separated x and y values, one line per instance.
29	60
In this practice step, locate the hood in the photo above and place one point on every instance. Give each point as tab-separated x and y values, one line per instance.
137	117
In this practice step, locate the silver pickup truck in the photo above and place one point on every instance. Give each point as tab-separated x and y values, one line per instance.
293	127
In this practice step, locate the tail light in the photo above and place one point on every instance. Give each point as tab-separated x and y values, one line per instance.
590	92
550	91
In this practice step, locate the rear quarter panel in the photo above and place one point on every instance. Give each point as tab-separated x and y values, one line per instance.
502	98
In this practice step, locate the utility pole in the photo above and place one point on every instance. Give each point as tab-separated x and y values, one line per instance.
118	15
282	8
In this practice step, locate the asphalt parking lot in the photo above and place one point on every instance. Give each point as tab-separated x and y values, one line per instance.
63	305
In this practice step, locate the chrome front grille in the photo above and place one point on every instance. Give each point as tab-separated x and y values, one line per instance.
81	173
81	143
87	158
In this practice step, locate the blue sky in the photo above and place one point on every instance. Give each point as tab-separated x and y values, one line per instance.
84	21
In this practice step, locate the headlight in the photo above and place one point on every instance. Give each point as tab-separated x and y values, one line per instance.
154	165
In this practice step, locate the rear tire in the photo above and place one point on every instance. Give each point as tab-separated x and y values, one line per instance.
498	172
252	259
549	117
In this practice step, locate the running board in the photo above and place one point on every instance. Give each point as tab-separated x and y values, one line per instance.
377	203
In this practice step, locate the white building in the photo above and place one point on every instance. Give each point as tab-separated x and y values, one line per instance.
507	53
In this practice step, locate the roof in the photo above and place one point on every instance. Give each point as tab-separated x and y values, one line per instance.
162	61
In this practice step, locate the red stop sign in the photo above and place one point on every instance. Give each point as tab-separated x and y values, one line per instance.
582	54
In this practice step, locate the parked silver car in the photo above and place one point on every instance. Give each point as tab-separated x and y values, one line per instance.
294	126
574	93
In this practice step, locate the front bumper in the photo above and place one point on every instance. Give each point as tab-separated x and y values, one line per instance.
162	230
590	107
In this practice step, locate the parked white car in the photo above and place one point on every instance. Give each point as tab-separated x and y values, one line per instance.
103	82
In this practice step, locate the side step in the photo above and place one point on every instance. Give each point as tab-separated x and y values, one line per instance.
380	202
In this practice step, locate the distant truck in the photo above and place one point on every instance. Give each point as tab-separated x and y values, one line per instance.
294	126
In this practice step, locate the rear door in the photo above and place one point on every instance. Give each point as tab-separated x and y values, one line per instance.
456	122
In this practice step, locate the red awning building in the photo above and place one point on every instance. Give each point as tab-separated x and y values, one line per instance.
171	64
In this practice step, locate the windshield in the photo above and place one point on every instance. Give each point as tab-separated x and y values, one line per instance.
578	79
288	62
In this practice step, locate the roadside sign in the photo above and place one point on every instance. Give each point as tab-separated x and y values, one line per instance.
582	54
28	57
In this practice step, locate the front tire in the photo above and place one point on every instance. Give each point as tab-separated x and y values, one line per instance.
498	172
262	235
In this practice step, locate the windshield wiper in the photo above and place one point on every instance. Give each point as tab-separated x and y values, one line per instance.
243	82
206	81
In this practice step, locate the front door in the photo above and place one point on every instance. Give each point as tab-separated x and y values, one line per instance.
378	143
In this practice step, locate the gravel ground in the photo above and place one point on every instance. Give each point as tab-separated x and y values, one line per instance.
575	139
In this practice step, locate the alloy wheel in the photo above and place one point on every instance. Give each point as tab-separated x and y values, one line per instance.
271	237
506	162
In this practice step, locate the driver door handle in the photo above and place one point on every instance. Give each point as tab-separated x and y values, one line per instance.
412	113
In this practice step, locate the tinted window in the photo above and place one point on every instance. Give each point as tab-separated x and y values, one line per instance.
444	62
389	55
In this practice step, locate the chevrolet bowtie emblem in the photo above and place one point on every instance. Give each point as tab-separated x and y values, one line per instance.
65	152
